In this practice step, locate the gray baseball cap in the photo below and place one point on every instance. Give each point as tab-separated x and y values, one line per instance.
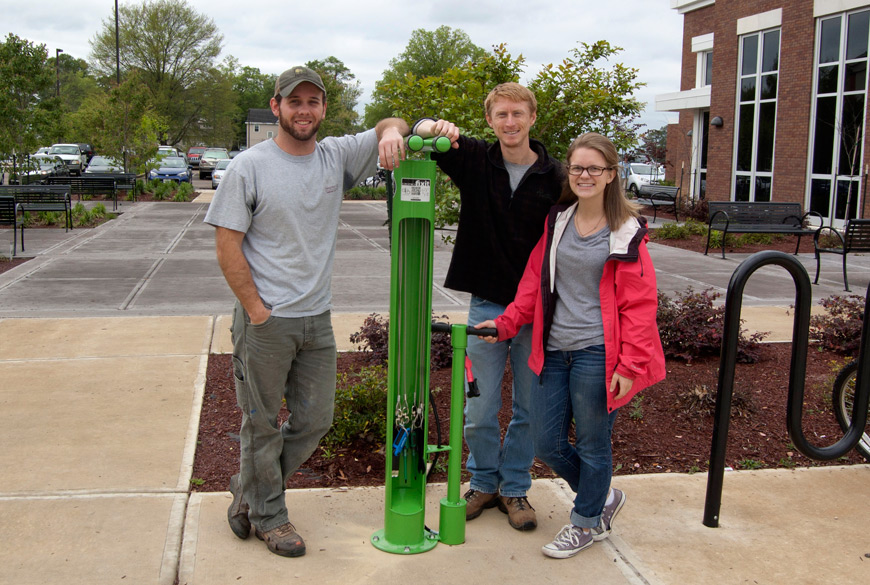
288	80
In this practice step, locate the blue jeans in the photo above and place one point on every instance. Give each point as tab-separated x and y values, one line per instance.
572	388
281	359
496	466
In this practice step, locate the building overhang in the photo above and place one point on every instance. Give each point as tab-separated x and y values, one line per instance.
684	6
692	99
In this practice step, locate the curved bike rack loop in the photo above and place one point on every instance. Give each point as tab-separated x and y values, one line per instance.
796	381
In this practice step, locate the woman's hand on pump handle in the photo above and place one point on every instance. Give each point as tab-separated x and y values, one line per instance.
488	324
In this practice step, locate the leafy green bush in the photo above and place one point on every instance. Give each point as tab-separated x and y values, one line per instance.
675	231
360	407
690	327
185	190
839	330
366	192
163	191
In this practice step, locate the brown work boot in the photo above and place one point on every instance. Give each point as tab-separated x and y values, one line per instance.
520	513
477	502
237	513
284	540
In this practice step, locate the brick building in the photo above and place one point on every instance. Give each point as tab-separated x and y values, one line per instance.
773	103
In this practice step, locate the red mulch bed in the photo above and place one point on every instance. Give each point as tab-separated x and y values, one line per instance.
668	430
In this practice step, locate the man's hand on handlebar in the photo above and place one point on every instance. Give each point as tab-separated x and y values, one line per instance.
488	324
432	128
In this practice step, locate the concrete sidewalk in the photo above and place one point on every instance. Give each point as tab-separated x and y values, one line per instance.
104	342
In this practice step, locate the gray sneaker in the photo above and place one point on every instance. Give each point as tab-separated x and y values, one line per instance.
237	513
609	512
568	543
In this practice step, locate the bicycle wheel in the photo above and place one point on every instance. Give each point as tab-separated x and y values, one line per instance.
843	397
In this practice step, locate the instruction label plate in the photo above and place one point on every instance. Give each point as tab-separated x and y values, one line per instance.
419	190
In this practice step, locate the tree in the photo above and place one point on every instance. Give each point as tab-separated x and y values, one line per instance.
579	96
428	54
654	146
173	47
342	95
121	123
252	88
25	117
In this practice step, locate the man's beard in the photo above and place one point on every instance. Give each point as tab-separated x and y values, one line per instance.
296	133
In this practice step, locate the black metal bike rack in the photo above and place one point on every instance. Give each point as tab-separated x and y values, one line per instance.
796	381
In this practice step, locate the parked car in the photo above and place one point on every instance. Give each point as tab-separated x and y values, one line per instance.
637	174
39	167
171	168
41	150
209	159
104	164
218	172
233	153
87	150
193	154
72	156
168	151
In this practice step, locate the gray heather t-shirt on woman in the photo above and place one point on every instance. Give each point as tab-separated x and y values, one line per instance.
579	266
288	207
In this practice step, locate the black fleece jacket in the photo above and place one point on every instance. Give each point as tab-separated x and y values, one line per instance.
497	230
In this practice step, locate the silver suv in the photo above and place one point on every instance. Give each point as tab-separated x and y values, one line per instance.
209	159
72	157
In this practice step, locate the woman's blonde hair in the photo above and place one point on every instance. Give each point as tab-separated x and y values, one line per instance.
617	209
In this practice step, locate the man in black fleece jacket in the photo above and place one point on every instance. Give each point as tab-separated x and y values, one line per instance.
506	188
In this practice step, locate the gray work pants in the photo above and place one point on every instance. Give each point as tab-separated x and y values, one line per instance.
283	358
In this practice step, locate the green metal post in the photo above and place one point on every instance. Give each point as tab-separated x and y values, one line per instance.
452	518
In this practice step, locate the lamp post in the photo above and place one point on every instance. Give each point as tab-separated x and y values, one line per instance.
57	53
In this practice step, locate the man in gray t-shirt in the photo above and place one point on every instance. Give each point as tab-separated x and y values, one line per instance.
276	219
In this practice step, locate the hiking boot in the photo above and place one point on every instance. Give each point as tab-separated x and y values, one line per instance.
284	540
570	540
609	512
520	513
477	502
237	513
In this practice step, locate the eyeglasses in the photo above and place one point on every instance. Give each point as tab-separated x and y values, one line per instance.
593	171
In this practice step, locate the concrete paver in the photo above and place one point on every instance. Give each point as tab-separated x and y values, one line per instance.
104	338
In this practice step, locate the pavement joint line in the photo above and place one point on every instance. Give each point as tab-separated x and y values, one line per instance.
175	241
26	360
45	261
140	286
91	494
359	234
450	296
189	540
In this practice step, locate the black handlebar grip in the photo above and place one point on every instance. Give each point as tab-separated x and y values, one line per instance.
445	328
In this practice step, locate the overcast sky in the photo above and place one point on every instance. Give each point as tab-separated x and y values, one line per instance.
365	34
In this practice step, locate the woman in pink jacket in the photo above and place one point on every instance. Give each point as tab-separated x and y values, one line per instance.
589	289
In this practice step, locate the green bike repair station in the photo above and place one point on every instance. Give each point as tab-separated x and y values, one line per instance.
410	330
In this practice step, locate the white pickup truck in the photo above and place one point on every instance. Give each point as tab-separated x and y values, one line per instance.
72	156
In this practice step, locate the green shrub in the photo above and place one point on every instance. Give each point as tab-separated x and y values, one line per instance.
360	407
185	190
690	327
163	191
675	231
366	192
839	330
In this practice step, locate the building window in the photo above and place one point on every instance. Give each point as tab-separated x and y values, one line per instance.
757	88
706	68
269	134
839	98
256	127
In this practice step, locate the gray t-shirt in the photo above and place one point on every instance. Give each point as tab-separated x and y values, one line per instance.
579	266
516	173
288	206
